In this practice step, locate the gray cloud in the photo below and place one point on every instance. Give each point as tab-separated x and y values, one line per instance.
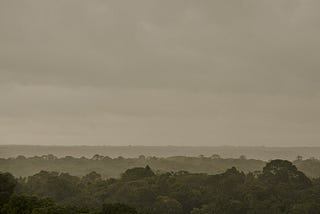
160	72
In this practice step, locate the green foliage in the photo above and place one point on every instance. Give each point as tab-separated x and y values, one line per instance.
23	204
118	208
26	205
222	206
166	205
282	172
7	185
53	185
279	189
137	173
91	178
113	167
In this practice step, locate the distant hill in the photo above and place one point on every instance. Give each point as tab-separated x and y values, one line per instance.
110	161
260	153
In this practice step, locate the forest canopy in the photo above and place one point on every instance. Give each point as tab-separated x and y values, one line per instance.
108	167
280	187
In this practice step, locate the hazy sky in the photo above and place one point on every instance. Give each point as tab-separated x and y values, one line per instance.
160	72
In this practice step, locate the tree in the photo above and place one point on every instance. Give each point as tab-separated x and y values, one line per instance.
56	186
7	185
166	205
243	157
118	208
284	172
221	206
91	178
137	173
215	156
97	157
25	204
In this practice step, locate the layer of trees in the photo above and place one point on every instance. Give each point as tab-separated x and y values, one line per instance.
113	167
278	188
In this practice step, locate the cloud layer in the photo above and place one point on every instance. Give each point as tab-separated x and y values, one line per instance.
160	72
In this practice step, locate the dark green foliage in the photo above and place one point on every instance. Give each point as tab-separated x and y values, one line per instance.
280	188
137	173
58	187
91	178
118	208
166	205
282	172
27	205
108	167
23	204
7	185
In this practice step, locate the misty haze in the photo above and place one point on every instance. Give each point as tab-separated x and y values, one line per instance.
159	107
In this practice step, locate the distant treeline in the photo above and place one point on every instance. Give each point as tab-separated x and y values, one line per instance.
112	167
251	152
279	188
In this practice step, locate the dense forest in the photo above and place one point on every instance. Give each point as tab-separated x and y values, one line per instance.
108	167
278	188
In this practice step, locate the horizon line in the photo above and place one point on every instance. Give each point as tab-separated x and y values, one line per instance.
199	146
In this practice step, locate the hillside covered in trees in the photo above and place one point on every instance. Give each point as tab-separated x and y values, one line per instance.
251	152
108	167
278	188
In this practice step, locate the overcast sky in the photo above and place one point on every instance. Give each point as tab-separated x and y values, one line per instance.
160	72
